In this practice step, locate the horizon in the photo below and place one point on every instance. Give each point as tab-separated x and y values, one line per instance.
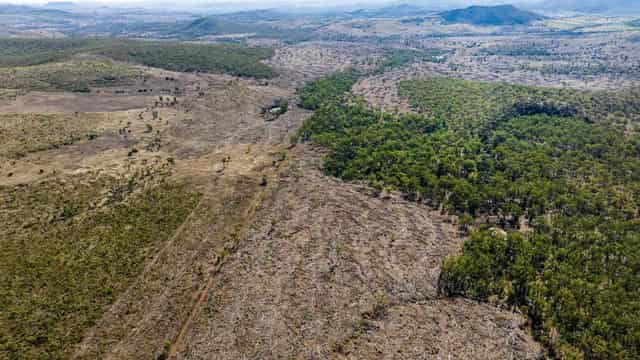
271	4
545	7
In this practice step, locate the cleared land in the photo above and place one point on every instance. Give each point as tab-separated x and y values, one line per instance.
154	207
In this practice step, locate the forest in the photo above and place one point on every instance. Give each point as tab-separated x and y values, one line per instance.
546	182
230	59
330	89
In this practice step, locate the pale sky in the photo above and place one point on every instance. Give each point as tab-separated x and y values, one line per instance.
271	2
221	6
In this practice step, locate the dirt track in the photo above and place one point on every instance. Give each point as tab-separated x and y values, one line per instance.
305	267
328	271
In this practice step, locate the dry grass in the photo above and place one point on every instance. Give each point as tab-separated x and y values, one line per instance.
21	134
76	75
79	256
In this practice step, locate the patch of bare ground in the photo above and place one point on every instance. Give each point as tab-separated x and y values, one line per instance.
310	60
277	260
226	150
209	113
328	271
229	112
135	93
161	300
46	102
593	62
381	92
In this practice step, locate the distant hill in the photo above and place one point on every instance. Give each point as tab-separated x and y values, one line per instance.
213	25
592	6
61	5
255	15
393	11
7	9
491	15
635	23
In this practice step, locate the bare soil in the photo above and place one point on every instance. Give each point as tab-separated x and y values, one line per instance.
328	271
616	58
277	260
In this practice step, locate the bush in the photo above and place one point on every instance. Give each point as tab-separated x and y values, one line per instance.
327	90
77	265
187	57
575	182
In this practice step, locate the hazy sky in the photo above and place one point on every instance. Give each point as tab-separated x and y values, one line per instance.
267	3
222	6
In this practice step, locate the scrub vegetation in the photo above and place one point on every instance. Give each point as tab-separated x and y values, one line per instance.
63	260
230	59
547	182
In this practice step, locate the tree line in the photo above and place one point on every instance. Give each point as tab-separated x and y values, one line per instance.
548	181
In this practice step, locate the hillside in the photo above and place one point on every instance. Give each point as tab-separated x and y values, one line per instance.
549	166
391	11
491	15
27	10
621	7
215	26
229	59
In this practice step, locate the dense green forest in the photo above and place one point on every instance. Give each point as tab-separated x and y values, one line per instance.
230	59
557	170
26	52
330	89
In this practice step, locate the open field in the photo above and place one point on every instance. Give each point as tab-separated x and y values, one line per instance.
26	133
74	76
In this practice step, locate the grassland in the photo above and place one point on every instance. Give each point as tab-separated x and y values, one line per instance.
64	260
75	75
230	59
21	134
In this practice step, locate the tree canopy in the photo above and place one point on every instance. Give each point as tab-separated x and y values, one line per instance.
558	170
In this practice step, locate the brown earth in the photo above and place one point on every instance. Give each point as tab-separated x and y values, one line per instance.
277	260
614	52
328	271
